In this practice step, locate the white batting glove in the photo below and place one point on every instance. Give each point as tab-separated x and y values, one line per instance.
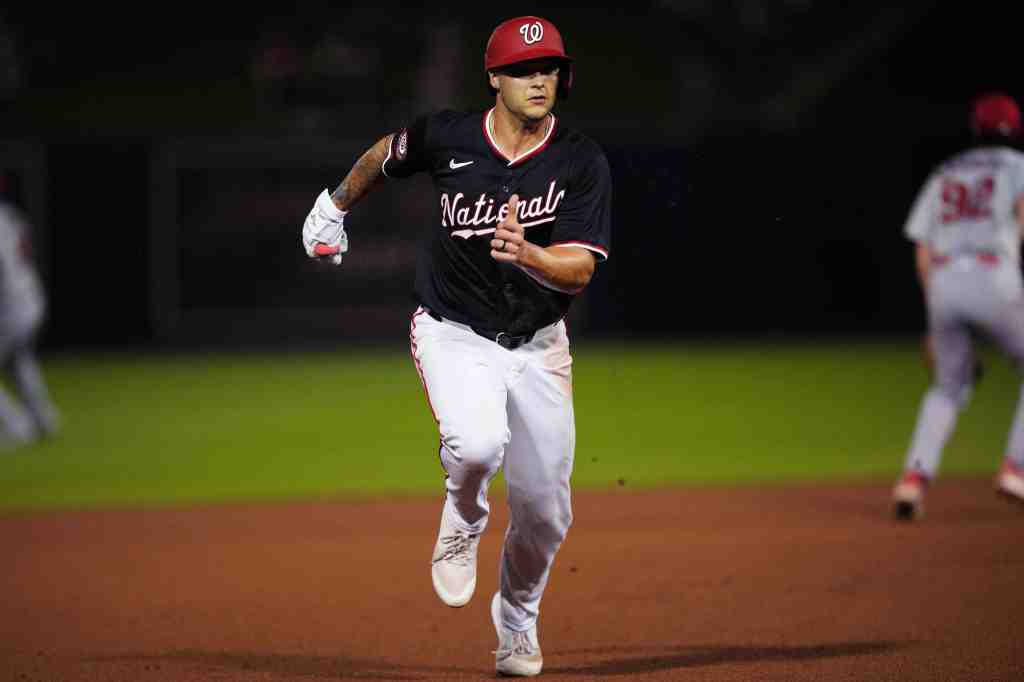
323	233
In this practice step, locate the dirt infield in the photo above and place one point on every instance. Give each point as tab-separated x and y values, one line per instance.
793	583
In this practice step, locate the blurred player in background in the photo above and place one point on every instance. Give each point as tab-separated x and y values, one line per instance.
967	222
523	216
26	412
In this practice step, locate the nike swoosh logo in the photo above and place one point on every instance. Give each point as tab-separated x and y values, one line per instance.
454	166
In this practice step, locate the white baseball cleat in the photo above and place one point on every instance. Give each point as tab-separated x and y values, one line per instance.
1010	481
908	496
453	565
518	653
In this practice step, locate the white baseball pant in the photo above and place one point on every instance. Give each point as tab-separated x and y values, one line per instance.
963	295
28	412
496	408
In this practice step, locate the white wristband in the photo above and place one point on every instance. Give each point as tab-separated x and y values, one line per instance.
328	208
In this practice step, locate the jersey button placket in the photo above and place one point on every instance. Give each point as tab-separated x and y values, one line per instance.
508	183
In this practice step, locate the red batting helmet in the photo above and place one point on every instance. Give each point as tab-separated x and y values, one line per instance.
995	113
525	38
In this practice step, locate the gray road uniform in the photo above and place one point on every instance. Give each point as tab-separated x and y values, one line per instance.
26	413
965	215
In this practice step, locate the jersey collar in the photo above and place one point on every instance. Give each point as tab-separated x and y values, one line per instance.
529	152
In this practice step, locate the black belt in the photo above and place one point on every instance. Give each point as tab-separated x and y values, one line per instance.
503	339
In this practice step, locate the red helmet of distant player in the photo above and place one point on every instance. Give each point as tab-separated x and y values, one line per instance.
995	113
525	38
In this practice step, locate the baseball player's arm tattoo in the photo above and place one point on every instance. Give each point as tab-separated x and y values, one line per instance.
364	176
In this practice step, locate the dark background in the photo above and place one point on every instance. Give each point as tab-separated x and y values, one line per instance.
764	158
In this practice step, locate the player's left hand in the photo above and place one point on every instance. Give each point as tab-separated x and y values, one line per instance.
509	242
323	233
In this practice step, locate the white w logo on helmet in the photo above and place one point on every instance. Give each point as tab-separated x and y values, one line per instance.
532	33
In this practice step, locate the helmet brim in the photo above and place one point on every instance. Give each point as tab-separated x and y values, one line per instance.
528	55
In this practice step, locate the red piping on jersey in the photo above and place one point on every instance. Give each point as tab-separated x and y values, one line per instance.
419	368
541	145
584	245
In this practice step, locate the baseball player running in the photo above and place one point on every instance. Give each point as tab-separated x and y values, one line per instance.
27	413
967	223
523	215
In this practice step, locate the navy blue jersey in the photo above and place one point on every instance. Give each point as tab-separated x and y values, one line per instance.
565	195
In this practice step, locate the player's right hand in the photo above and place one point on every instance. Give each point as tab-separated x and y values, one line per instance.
323	233
509	239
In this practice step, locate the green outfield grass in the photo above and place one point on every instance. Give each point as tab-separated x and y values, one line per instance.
145	430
